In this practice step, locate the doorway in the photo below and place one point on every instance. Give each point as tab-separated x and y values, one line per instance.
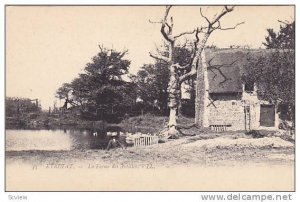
267	115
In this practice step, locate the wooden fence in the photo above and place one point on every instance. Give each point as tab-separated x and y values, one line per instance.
145	141
219	128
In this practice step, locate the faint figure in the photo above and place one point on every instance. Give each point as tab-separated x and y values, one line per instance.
114	142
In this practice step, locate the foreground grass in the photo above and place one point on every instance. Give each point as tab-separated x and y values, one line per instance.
205	149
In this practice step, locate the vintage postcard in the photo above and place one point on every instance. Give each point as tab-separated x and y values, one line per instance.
150	98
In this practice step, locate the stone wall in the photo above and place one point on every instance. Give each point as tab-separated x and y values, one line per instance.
227	109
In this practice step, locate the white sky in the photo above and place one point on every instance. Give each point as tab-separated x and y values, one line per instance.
48	46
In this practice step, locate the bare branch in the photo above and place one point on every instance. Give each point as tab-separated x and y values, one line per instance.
101	47
184	33
160	57
286	22
224	12
167	35
229	28
185	43
231	9
194	62
187	75
196	42
207	20
167	12
178	66
169	27
197	35
210	28
193	65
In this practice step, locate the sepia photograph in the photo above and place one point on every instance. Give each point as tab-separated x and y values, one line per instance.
149	98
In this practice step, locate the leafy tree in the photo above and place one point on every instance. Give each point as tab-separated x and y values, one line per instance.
284	39
274	75
152	83
81	90
64	92
100	91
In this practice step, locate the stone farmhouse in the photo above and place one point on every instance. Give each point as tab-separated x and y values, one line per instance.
230	103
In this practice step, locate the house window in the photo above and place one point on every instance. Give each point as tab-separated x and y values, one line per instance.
249	87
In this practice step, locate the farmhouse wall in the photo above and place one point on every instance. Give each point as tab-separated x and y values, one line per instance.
229	110
226	110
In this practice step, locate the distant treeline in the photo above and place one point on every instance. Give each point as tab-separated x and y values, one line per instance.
20	106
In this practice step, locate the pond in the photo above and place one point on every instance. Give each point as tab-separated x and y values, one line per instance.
54	140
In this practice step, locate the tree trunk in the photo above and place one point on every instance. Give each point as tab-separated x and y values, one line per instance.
201	101
174	96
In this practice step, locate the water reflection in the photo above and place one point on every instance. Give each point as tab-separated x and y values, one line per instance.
60	139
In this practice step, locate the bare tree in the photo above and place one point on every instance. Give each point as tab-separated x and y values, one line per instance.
174	85
197	67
